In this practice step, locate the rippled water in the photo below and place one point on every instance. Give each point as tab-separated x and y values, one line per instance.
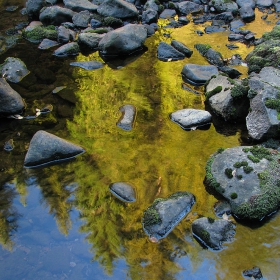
62	222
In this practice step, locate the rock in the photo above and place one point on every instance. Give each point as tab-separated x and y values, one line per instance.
118	9
67	49
167	14
221	208
80	5
262	121
10	101
235	37
188	7
63	35
247	14
13	69
89	40
198	74
33	8
37	33
166	52
214	29
190	119
47	44
82	19
165	213
221	6
247	178
9	145
242	3
149	16
227	98
213	233
231	72
94	23
236	24
123	41
55	15
181	48
225	16
88	65
123	191
264	3
151	4
46	148
127	119
254	273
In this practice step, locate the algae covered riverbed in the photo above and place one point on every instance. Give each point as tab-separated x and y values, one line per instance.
62	222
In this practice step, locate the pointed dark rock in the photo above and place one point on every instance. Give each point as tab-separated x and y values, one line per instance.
46	148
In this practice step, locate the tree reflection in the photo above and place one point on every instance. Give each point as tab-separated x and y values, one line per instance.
8	214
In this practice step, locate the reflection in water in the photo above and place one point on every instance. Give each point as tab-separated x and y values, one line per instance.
156	156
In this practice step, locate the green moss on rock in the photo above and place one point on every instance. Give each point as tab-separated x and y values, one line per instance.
202	48
212	92
38	33
228	172
151	216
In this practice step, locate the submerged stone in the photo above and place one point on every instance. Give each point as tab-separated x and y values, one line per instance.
13	70
191	118
165	213
68	49
47	44
46	148
166	52
254	273
88	65
127	119
213	233
9	145
123	191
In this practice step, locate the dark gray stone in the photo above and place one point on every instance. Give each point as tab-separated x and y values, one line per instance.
55	15
63	35
94	23
247	14
231	72
46	148
181	48
68	49
254	273
198	74
167	14
222	208
127	119
13	69
221	6
236	24
88	65
166	52
226	16
191	118
235	37
264	3
124	40
151	5
123	191
33	8
250	3
214	57
10	101
89	40
118	9
47	44
188	7
80	5
82	19
149	16
214	29
213	233
164	214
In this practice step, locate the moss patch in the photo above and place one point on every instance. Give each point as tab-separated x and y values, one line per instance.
233	195
202	48
39	33
228	172
258	153
239	164
212	92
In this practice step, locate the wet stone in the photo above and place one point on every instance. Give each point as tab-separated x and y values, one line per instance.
190	119
9	145
123	191
222	207
47	44
67	50
213	233
126	121
46	148
167	52
11	8
165	213
254	273
14	70
88	65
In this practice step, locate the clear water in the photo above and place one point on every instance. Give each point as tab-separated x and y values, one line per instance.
62	222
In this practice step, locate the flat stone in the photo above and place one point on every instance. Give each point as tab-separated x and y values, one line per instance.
123	191
166	52
88	65
127	119
68	49
47	44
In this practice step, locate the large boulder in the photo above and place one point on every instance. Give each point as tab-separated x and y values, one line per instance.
165	213
82	19
89	40
227	98
248	178
198	75
123	41
187	7
247	13
46	148
190	119
263	119
33	8
118	9
10	101
213	233
221	6
55	15
80	5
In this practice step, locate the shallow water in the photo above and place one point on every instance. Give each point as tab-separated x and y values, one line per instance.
62	222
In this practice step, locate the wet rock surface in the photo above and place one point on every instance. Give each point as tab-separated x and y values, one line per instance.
127	119
88	65
165	213
166	52
46	148
69	49
123	191
213	233
247	178
190	119
254	273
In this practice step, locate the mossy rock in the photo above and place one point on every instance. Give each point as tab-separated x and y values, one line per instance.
39	33
254	190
